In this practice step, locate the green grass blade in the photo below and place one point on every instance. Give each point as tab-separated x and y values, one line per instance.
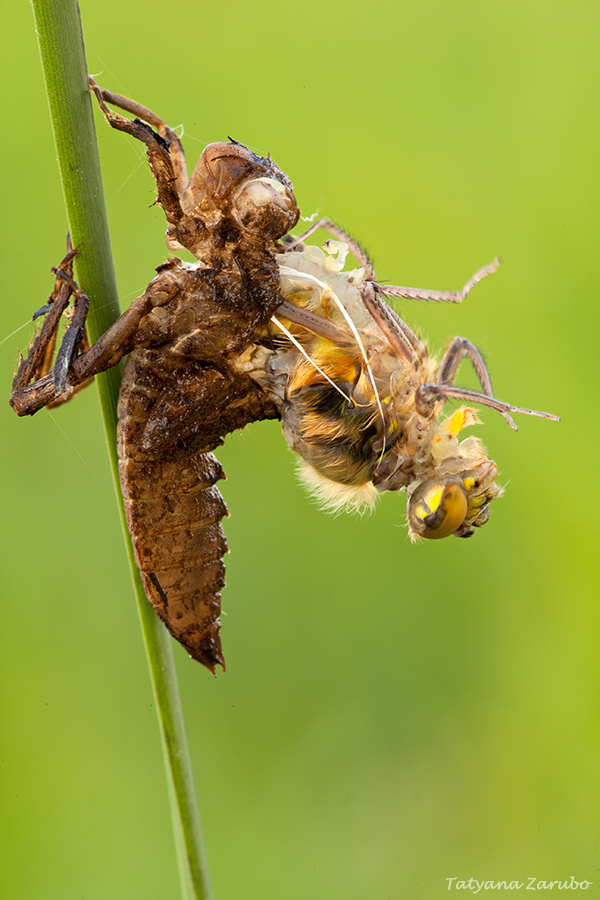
62	52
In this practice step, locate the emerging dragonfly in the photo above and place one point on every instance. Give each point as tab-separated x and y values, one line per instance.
260	326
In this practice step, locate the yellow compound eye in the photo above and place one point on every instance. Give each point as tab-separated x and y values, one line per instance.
437	508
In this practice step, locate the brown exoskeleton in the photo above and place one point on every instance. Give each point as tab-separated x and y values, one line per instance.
259	327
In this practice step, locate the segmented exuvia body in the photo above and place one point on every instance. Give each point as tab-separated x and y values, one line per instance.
174	407
348	401
259	327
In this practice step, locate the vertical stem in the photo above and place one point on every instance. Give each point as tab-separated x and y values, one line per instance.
60	39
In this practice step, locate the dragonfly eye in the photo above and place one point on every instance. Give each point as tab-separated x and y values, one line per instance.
265	205
437	508
231	179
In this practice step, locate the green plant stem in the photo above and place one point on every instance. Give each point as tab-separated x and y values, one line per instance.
60	39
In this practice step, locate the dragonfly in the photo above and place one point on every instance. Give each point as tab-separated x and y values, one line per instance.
260	326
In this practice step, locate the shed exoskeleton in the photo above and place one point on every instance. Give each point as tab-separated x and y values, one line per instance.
260	326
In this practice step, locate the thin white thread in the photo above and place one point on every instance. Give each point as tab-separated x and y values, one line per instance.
299	346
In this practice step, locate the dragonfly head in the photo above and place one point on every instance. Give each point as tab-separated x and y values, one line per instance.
231	181
455	497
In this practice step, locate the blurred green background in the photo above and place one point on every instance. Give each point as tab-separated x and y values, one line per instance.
392	716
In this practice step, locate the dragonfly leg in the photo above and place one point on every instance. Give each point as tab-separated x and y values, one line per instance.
176	150
38	363
457	350
74	368
408	293
161	159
